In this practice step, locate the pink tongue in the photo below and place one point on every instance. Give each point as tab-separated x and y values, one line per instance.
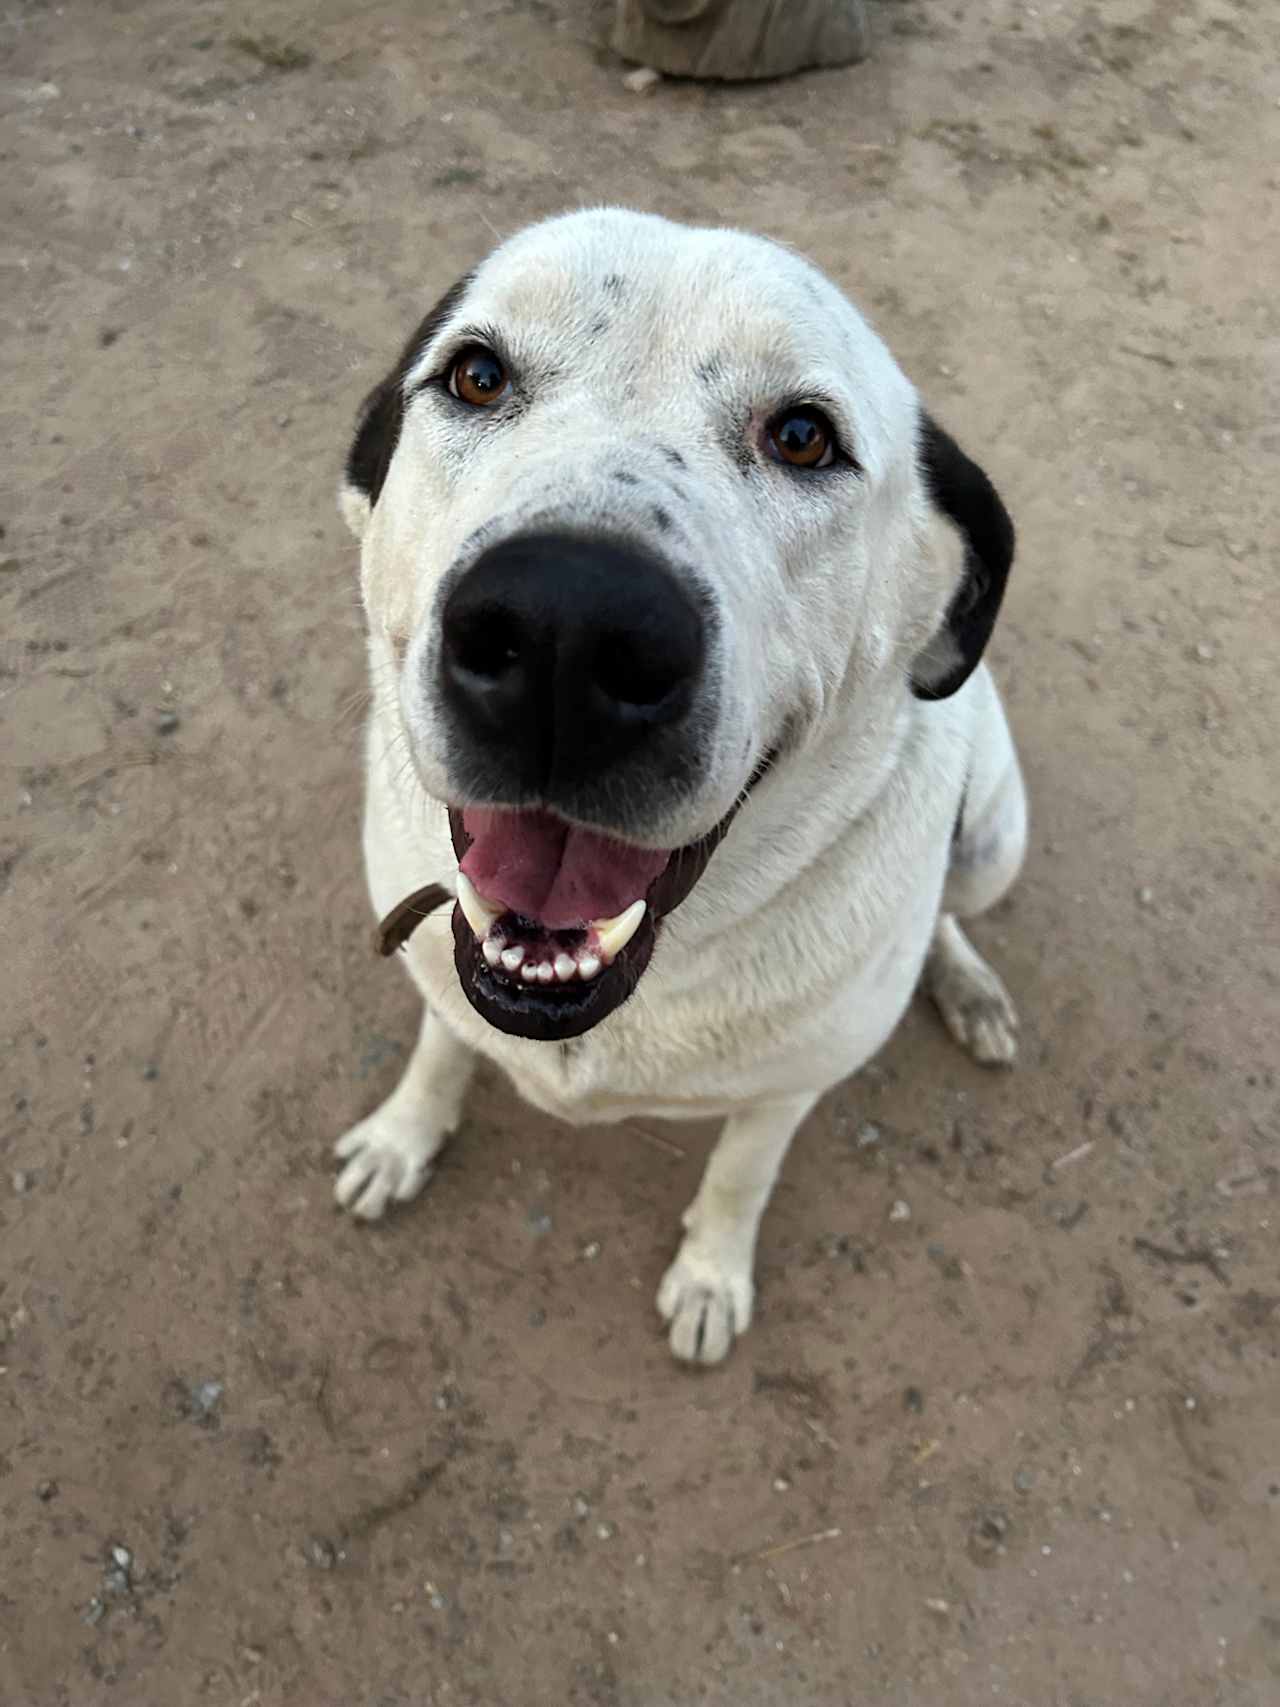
537	865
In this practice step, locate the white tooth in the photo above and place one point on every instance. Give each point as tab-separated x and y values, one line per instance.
615	934
511	958
529	972
491	950
566	966
588	966
478	912
546	972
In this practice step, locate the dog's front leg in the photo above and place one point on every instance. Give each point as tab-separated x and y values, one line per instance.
388	1156
707	1293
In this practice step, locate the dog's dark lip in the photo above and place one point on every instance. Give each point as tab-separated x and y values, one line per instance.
556	1014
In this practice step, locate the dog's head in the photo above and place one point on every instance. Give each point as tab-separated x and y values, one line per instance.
644	509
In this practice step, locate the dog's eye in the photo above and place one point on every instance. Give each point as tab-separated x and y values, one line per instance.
803	438
478	377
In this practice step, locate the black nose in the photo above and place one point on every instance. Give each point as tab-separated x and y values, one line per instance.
563	655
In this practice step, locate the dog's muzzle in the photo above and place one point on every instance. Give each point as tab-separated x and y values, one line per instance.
569	671
565	663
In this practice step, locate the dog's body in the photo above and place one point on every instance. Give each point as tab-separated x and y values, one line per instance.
836	729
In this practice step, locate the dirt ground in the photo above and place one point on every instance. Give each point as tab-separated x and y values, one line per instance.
1023	1445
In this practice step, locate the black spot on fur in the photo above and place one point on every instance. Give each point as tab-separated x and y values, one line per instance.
673	456
661	519
382	412
599	326
964	494
624	478
711	371
615	285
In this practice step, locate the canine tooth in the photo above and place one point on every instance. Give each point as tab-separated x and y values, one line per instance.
491	950
616	933
588	966
546	972
512	957
529	972
565	967
479	913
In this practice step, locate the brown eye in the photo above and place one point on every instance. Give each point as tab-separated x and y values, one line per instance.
803	438
478	377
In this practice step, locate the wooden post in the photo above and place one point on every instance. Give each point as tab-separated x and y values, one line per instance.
739	40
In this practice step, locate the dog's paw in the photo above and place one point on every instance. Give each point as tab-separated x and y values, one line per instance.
979	1015
386	1162
972	999
708	1304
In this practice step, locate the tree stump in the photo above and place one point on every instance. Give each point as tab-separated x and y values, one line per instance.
740	40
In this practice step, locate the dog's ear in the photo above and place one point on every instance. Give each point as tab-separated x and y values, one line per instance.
967	498
378	423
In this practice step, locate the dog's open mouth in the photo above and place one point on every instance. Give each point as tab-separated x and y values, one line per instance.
555	923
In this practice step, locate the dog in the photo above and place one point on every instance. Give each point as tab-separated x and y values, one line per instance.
676	602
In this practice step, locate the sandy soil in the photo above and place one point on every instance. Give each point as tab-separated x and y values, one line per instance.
1023	1446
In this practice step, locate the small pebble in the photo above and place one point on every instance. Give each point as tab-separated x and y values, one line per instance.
605	1532
205	1396
592	1251
901	1211
642	81
988	1536
868	1134
46	1491
122	1557
941	1607
321	1553
168	723
581	1507
96	1611
23	1181
781	1485
1146	897
1024	1481
1204	652
151	1071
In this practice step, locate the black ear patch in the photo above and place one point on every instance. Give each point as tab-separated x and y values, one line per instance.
381	413
963	493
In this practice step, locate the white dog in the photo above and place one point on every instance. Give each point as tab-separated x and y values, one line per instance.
676	601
